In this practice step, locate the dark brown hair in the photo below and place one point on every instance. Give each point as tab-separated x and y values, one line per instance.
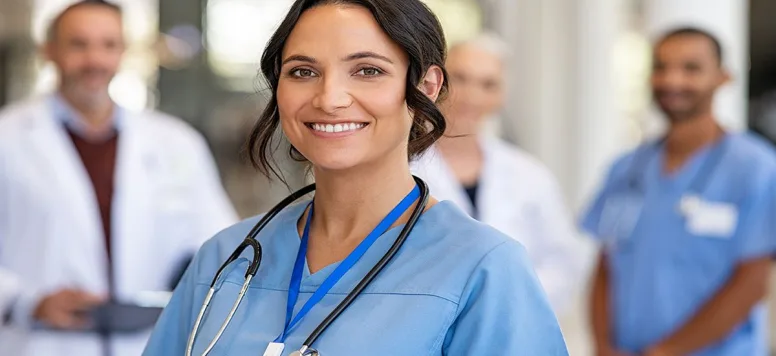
694	31
411	25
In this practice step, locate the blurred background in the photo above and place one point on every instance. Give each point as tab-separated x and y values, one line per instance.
577	81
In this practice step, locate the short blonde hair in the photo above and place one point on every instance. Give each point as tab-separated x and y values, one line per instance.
489	42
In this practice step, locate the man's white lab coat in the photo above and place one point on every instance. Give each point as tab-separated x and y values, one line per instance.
167	200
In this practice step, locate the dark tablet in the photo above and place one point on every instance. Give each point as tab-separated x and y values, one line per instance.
123	318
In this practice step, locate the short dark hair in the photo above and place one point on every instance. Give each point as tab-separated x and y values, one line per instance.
411	25
694	31
51	33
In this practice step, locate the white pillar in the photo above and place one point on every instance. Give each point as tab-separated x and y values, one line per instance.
565	104
726	19
600	121
563	100
541	80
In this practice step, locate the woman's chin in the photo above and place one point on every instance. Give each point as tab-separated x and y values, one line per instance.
339	163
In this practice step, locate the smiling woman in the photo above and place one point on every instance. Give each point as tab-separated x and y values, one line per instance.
376	78
354	88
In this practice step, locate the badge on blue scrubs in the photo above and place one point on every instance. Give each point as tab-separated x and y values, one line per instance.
708	218
274	349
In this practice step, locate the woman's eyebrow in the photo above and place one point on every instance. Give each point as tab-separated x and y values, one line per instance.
367	54
300	58
350	57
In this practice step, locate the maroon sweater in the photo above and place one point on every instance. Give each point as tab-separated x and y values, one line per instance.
99	159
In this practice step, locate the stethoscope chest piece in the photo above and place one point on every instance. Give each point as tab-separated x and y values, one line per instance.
308	352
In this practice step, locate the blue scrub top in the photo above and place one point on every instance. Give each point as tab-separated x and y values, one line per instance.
456	287
665	263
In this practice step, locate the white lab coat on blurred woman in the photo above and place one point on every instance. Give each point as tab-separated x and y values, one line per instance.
511	190
167	201
9	288
519	196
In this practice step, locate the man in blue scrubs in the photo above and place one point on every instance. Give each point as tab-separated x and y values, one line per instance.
686	223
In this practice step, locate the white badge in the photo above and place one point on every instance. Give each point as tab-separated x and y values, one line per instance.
713	219
274	349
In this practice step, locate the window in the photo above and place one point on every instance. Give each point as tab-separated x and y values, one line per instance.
237	31
461	19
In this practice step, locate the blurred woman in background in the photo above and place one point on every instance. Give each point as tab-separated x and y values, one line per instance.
496	182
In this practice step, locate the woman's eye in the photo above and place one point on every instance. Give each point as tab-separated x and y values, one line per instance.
302	73
369	72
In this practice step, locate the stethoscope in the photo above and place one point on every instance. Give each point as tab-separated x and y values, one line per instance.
251	241
622	219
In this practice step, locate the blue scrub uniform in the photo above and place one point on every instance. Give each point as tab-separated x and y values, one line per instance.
667	255
456	287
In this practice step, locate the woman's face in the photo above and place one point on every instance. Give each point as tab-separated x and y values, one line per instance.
341	92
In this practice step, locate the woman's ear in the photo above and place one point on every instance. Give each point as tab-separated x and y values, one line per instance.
432	82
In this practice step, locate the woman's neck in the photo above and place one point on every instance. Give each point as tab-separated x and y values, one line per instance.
456	145
350	204
463	156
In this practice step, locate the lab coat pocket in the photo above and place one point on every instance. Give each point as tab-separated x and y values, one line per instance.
172	212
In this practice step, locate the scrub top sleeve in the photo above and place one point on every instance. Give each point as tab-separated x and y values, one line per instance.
592	215
757	221
504	311
171	332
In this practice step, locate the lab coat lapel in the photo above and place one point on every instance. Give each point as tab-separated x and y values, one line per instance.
489	194
132	213
441	180
80	243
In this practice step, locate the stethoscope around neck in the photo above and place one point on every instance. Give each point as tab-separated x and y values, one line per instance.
637	172
251	241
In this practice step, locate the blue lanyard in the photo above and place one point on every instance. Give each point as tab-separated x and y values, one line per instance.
339	272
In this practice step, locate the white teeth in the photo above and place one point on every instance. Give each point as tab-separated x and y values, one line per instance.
352	126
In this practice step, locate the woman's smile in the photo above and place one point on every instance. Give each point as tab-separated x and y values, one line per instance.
336	129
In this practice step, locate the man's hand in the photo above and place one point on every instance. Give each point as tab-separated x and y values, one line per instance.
66	309
659	351
611	351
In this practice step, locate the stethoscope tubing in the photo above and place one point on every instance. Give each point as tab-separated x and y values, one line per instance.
698	184
376	269
251	241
